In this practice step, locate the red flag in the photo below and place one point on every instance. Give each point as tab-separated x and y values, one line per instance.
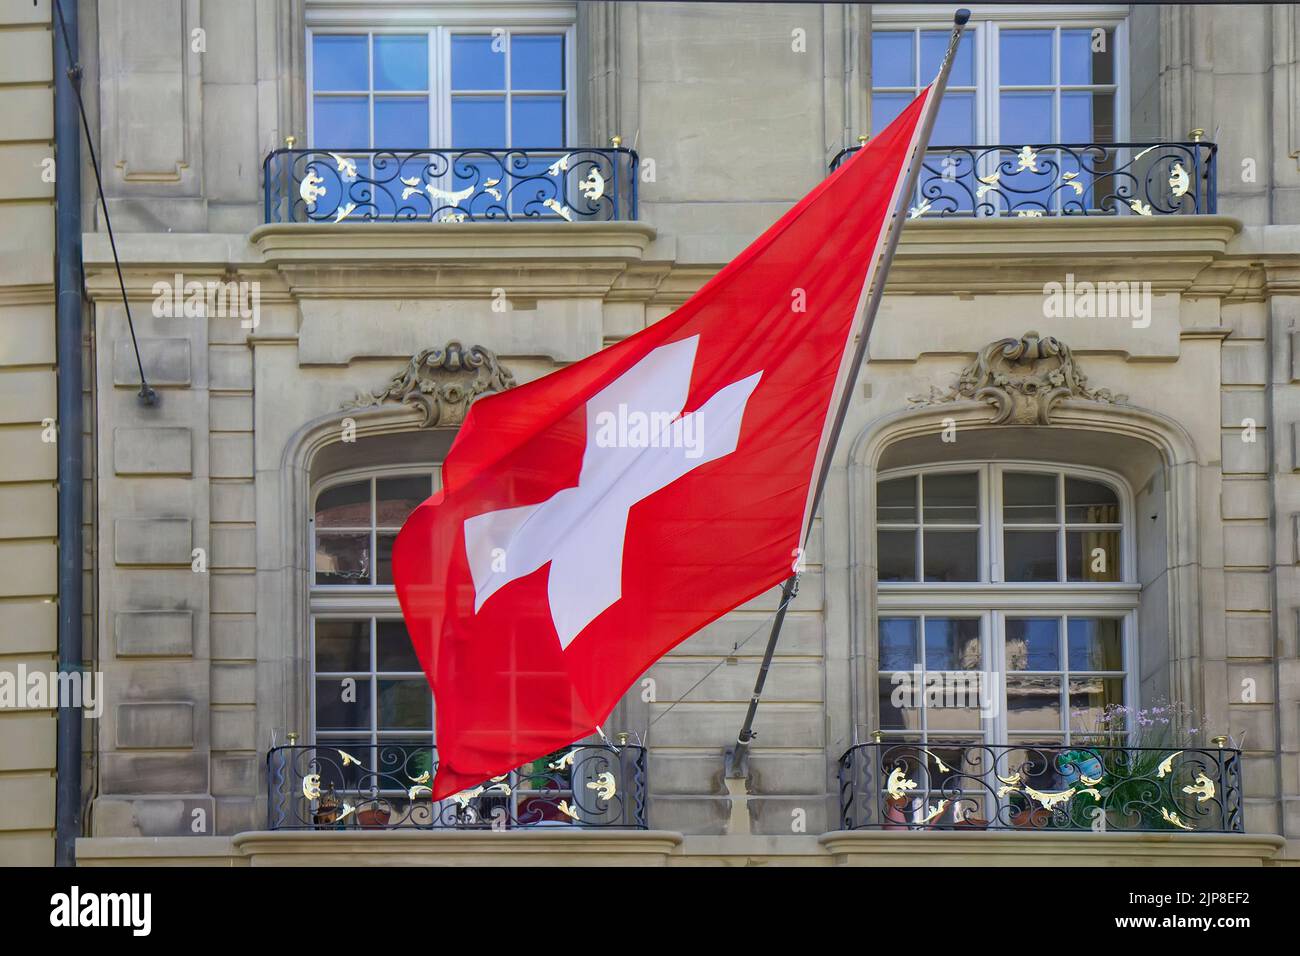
594	518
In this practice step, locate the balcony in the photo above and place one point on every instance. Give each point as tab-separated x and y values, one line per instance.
909	786
1064	179
386	787
450	185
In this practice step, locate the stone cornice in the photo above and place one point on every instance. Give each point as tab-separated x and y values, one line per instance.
624	261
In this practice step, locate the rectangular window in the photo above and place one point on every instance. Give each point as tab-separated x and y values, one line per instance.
1018	80
489	87
1013	81
1041	612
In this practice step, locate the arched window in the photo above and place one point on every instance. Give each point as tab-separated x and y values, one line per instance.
367	685
1006	602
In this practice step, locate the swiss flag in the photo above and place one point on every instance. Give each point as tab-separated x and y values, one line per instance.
594	518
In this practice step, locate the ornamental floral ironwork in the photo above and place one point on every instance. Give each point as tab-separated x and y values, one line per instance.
343	785
1065	179
450	186
441	383
952	786
1024	379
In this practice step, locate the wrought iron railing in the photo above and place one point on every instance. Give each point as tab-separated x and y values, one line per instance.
450	185
344	785
1065	179
934	786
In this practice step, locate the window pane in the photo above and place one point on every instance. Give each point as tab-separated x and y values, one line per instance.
1091	502
899	705
1087	56
384	558
1028	498
343	646
343	703
1033	644
475	65
896	555
405	704
952	556
953	704
899	650
1026	119
951	498
952	644
401	62
342	122
401	122
1030	555
343	558
344	506
1034	703
891	58
478	121
1092	556
1095	643
885	107
536	121
955	124
396	498
537	62
1087	117
338	62
1089	697
1025	57
896	501
934	44
393	648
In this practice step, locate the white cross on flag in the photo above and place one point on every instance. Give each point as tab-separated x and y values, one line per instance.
594	518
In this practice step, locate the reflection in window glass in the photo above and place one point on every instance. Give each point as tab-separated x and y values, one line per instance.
1033	703
340	62
899	649
952	644
1095	644
344	506
402	62
1033	644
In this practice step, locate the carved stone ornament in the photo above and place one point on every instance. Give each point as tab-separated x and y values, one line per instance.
441	383
1023	379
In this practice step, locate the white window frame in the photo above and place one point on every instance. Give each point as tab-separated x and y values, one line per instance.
994	600
356	601
985	22
438	21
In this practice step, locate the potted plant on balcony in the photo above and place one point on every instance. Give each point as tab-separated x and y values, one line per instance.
1136	748
326	814
374	814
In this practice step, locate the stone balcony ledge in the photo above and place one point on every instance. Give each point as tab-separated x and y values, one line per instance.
571	847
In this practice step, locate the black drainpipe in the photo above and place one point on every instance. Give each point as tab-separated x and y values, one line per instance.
68	296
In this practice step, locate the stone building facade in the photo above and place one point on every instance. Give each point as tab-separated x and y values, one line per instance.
206	580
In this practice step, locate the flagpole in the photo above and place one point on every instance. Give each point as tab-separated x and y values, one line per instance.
737	757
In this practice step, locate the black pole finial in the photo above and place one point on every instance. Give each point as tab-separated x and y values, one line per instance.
961	16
